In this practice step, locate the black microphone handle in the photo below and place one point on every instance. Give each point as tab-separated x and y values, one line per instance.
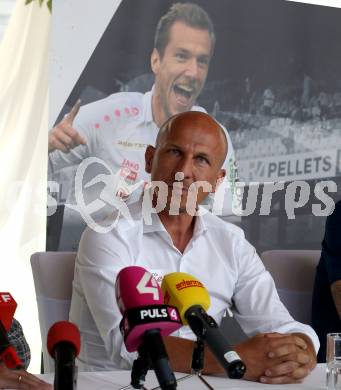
224	353
198	356
65	370
155	348
139	371
205	327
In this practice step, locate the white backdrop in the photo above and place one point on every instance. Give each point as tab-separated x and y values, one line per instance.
23	149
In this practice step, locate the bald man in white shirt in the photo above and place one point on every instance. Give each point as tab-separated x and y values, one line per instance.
190	149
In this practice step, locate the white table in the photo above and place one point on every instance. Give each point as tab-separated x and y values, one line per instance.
114	380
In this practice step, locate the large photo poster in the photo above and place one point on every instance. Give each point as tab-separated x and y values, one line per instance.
267	70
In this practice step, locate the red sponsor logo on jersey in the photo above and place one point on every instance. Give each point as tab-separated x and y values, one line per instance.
130	164
132	175
132	167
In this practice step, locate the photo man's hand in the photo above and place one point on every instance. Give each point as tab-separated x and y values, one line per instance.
64	136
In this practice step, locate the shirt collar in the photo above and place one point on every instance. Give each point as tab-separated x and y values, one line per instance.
200	226
151	221
157	226
147	106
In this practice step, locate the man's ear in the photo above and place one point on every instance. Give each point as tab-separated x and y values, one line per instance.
149	155
220	178
155	61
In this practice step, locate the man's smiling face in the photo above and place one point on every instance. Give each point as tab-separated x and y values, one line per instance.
192	144
181	72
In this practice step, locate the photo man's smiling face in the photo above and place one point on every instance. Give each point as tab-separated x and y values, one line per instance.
181	71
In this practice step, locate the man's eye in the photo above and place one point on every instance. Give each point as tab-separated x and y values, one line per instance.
181	56
203	61
202	160
175	152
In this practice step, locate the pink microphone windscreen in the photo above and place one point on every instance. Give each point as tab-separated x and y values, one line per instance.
140	301
136	287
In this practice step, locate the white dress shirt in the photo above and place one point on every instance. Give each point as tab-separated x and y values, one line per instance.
218	255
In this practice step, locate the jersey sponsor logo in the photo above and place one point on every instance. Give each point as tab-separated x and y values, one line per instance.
131	164
132	167
188	284
131	176
130	145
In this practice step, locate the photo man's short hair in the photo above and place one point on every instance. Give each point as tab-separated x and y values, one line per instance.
188	13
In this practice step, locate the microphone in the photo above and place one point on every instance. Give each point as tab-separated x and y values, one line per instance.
63	344
145	320
7	353
192	300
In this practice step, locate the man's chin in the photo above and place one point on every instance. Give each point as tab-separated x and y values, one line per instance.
179	109
182	209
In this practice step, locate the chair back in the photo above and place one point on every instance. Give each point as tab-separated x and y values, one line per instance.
53	275
294	273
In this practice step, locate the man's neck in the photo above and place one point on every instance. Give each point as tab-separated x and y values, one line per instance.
159	116
180	228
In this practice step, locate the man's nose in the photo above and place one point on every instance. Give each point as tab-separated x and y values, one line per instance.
185	166
192	69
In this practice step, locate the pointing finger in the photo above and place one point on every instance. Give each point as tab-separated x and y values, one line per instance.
74	111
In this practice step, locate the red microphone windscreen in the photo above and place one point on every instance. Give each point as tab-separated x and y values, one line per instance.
135	287
7	309
63	331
